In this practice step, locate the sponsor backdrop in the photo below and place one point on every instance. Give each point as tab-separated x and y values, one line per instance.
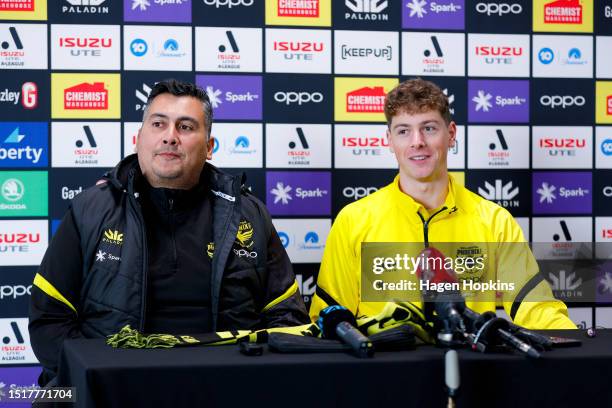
298	91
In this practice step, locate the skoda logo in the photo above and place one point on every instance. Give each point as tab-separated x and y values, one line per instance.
12	190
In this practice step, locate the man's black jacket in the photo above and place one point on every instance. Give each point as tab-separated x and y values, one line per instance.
93	277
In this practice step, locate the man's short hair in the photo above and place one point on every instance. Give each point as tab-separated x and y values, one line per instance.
416	96
180	88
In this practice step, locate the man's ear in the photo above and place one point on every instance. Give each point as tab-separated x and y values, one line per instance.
209	148
452	131
137	139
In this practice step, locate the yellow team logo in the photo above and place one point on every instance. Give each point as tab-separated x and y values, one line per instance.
298	12
361	99
563	16
85	96
244	237
459	177
603	102
23	9
210	249
189	339
113	237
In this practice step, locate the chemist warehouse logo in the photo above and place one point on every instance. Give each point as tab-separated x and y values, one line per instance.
112	236
298	12
361	99
23	144
85	96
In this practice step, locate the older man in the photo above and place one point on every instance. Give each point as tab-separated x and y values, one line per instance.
168	243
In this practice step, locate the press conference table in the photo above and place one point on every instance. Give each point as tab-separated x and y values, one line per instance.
221	376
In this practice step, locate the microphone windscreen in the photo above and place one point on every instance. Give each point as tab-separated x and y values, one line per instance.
331	316
451	369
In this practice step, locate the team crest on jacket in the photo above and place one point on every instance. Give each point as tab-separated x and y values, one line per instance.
210	249
244	237
113	237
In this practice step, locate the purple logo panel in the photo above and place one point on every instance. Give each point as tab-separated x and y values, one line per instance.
604	283
233	96
501	101
177	11
298	193
443	14
562	193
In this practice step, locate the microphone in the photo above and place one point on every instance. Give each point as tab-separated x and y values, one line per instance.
448	304
337	322
451	376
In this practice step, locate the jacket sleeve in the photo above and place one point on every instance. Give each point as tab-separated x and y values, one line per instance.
532	303
338	280
284	305
54	303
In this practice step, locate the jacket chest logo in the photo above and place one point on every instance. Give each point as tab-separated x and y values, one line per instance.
244	237
113	237
210	249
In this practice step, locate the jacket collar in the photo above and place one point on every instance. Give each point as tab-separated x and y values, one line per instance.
412	207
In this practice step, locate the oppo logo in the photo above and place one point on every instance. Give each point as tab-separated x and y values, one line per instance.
499	9
298	97
358	192
13	291
229	3
563	101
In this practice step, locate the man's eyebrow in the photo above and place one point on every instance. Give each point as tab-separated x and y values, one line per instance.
179	119
425	122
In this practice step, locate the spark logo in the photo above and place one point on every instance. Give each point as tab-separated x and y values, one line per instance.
298	12
443	14
498	101
113	237
562	193
23	10
157	10
563	15
547	193
483	101
85	96
303	193
502	193
233	97
355	102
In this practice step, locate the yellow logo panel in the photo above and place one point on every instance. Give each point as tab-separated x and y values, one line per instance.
85	96
567	16
459	177
361	99
23	9
298	12
603	102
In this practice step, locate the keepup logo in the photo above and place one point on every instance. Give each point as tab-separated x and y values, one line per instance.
603	102
147	48
233	97
130	135
560	102
228	49
433	54
24	144
85	144
23	9
298	145
366	52
23	242
362	146
562	147
300	51
510	190
498	101
603	66
562	238
361	99
23	46
455	158
16	347
603	147
563	16
95	96
91	47
238	145
23	194
562	193
298	193
157	11
498	147
304	240
562	56
444	14
298	13
298	98
501	55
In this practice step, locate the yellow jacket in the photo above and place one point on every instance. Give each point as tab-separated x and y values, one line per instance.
389	215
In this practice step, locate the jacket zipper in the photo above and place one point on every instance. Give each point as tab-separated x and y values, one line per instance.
171	207
426	225
145	260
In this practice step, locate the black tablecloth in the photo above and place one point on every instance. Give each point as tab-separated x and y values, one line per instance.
221	376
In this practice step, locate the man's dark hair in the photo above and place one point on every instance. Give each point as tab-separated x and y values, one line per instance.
180	88
416	96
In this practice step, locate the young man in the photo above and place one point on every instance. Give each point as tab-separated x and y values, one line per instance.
167	244
424	204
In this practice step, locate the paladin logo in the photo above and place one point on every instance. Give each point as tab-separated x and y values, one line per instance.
142	96
16	5
298	8
244	237
501	193
451	100
566	284
113	237
563	12
366	10
210	249
366	99
86	96
85	7
307	287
